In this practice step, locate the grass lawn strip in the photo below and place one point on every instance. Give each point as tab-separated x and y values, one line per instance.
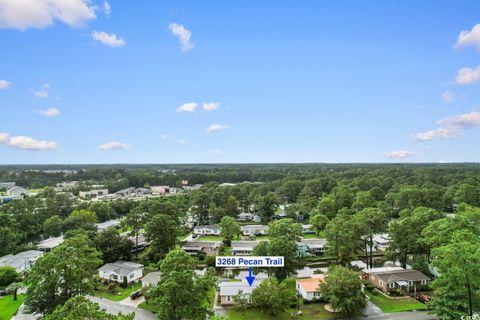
395	305
8	307
121	294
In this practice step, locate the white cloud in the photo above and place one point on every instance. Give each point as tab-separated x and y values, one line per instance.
181	141
26	143
469	38
108	39
451	127
215	128
50	112
43	92
467	76
183	35
448	96
164	136
216	152
437	133
188	107
210	106
113	145
4	84
400	154
107	8
462	121
24	14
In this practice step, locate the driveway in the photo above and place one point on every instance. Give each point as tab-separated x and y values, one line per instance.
132	303
114	307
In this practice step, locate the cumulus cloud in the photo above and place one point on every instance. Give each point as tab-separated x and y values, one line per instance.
451	127
210	106
216	152
108	39
215	128
113	145
43	92
400	154
183	35
469	38
467	76
4	84
448	96
107	8
164	136
26	143
24	14
187	107
181	141
50	112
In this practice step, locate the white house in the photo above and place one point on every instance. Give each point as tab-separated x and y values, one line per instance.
50	243
243	248
17	192
93	193
212	230
151	279
229	291
246	216
22	261
120	270
254	230
308	288
7	185
107	224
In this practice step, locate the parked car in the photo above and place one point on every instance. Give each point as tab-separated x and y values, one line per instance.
3	292
136	294
423	298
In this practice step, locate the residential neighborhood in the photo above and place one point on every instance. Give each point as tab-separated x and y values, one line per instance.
239	160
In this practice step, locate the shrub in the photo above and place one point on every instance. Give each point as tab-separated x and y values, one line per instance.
8	275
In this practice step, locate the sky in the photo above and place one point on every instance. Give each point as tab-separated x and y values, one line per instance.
239	81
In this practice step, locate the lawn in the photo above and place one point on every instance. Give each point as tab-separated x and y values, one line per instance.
314	235
121	294
8	307
311	311
395	305
209	238
149	306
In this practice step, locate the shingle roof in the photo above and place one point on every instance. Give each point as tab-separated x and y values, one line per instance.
232	288
399	274
122	268
311	284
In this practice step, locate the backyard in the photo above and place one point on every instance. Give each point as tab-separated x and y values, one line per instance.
394	305
8	307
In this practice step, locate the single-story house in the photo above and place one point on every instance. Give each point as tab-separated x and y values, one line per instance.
279	215
21	261
246	216
126	192
243	248
160	189
313	247
208	247
228	291
107	224
142	241
211	230
307	228
143	191
254	230
151	279
380	241
17	192
120	270
93	193
392	278
50	243
309	288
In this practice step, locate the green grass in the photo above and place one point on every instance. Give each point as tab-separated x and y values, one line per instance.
210	238
8	307
395	305
121	293
314	235
311	311
37	190
149	307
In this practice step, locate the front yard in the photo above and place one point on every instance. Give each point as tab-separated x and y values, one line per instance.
394	305
311	311
8	307
120	293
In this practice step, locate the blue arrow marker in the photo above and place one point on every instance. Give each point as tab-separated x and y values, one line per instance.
250	278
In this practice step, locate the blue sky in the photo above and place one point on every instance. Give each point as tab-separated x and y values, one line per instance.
296	81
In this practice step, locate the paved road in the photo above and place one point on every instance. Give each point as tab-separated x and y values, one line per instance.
116	307
411	315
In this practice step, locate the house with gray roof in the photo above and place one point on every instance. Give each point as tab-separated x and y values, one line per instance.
254	230
151	279
228	291
107	224
17	192
22	261
50	243
120	270
210	230
390	279
243	248
208	247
